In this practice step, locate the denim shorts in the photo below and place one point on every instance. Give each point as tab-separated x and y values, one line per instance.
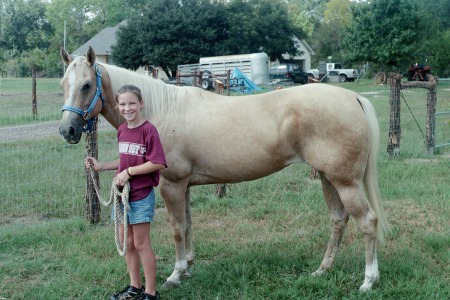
141	211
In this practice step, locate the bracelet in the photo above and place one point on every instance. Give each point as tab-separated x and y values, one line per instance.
129	173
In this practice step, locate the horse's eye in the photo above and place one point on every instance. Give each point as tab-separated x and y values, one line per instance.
86	86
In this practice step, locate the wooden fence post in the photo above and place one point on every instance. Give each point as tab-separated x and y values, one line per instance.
394	119
221	190
92	203
33	89
431	110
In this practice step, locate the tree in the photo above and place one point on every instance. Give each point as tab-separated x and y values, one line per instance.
306	15
173	32
260	25
23	28
434	34
85	18
439	56
439	10
23	25
168	33
337	18
75	15
112	12
384	32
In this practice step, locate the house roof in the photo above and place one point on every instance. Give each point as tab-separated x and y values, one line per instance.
101	42
307	46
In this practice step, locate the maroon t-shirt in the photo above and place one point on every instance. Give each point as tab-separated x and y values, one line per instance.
137	146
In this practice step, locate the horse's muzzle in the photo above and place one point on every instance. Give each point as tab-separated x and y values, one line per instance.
70	134
71	128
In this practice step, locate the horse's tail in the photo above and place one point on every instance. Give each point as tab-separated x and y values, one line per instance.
370	175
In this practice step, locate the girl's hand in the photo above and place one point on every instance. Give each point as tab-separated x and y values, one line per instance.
122	178
91	161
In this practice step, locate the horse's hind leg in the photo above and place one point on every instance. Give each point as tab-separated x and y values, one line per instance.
357	205
339	219
190	253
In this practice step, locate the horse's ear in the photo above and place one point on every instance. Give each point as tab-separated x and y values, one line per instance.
65	56
90	55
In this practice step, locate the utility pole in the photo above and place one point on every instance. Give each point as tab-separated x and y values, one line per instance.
64	45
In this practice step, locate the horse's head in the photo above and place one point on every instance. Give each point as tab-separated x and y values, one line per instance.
83	99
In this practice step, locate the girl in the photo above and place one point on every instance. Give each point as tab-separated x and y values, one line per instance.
141	157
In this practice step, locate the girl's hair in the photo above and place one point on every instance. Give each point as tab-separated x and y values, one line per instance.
129	88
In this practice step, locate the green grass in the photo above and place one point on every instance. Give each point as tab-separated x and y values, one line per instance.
43	184
261	241
16	101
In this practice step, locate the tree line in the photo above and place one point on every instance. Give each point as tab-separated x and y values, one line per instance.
389	34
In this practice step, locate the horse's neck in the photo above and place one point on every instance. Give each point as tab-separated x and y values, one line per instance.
109	110
163	103
113	117
113	79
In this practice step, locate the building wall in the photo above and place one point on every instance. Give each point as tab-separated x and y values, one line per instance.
101	59
303	60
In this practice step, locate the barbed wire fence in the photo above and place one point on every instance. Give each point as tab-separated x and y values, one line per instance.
44	177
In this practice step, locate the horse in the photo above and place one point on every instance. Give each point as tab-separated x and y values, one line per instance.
210	139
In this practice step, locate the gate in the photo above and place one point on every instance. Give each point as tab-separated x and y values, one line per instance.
442	116
437	132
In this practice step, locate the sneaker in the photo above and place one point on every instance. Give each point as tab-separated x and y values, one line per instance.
145	296
129	292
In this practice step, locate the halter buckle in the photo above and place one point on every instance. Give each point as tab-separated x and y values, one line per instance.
86	115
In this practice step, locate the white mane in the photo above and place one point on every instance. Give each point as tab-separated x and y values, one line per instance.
161	100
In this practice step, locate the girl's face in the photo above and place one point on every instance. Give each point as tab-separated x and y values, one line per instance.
130	106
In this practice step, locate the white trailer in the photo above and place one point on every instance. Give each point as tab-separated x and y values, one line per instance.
255	66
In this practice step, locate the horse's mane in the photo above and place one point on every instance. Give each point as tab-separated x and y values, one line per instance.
161	100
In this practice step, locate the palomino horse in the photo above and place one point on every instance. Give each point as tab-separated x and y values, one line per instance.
209	138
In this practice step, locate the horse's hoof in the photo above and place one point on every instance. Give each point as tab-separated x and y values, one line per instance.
365	287
168	285
186	274
368	283
318	273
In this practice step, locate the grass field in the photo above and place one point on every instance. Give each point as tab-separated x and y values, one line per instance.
16	100
261	241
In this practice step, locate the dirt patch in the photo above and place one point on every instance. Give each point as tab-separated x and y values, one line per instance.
368	93
28	132
422	160
37	131
410	216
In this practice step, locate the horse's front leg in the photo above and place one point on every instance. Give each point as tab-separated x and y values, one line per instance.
174	194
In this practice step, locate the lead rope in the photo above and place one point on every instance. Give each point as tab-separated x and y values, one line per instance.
115	196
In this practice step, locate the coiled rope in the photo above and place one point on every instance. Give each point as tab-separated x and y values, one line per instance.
115	196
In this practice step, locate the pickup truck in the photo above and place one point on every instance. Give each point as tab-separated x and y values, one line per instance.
287	74
335	69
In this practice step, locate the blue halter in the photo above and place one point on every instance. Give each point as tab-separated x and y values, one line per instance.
86	115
